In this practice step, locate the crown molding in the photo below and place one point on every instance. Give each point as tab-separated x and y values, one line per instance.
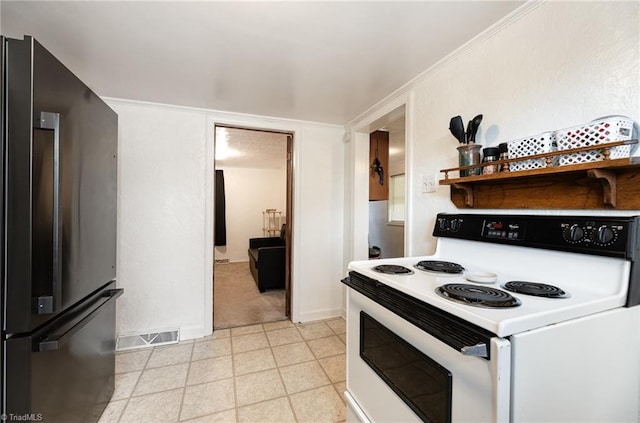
485	35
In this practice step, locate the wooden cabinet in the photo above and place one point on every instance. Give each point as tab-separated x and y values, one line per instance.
379	147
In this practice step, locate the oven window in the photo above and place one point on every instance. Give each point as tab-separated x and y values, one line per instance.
423	384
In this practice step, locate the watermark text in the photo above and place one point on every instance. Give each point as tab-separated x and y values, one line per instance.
27	417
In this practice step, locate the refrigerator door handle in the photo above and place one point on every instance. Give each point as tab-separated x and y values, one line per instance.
47	304
56	340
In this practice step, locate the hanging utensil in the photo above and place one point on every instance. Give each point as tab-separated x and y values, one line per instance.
456	126
376	167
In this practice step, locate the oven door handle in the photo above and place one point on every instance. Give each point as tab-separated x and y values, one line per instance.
478	350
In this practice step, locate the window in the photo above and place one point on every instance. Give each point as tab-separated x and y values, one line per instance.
396	198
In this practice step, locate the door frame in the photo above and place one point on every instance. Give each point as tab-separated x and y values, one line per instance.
289	217
359	131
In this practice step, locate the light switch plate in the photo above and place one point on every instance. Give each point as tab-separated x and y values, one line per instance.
429	182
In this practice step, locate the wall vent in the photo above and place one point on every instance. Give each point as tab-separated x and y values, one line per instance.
222	261
154	339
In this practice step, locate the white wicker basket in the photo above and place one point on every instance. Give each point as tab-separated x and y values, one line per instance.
600	131
538	144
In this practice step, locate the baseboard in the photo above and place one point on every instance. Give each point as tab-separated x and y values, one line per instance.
193	332
229	261
310	316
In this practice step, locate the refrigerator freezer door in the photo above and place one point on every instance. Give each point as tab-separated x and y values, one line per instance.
65	372
64	248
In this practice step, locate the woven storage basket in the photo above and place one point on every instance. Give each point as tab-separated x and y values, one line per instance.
538	144
600	131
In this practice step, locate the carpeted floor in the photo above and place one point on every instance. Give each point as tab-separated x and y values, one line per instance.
237	301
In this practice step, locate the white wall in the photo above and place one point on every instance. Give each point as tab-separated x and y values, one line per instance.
550	65
161	218
388	237
318	225
165	214
249	192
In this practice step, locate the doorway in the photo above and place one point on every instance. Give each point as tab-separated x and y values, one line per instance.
387	189
253	198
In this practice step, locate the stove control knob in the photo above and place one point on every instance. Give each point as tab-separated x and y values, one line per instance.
455	225
574	233
603	235
443	224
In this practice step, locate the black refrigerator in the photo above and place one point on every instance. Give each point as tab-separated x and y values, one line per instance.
58	250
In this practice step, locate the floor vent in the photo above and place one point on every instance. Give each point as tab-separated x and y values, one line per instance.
222	261
129	342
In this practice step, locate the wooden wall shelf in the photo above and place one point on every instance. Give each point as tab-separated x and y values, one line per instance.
605	184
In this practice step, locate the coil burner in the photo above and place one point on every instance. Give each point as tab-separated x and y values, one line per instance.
536	289
440	267
477	296
393	269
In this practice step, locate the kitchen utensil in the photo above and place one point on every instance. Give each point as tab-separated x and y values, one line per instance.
476	124
376	167
456	126
469	131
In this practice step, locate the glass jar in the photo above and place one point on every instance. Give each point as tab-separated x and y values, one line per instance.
504	155
490	154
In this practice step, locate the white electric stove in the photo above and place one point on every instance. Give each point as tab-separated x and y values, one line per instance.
451	337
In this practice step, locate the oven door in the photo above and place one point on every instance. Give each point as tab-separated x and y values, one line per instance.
444	386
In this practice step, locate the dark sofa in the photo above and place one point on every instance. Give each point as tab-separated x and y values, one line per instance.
267	261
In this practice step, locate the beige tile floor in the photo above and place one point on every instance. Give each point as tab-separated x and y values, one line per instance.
272	372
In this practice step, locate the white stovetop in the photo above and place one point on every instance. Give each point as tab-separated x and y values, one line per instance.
594	283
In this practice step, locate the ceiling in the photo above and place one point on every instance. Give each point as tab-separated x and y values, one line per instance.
248	148
318	61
